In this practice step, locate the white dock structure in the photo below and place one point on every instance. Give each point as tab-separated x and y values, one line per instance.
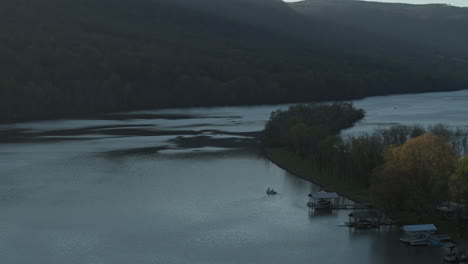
421	235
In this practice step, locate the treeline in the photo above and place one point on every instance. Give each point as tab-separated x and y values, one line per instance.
75	57
405	168
415	169
416	177
356	157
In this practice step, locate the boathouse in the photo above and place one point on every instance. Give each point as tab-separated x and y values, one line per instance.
416	235
323	200
449	209
364	219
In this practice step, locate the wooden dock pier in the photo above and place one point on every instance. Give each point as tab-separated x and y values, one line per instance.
343	206
377	224
329	201
351	206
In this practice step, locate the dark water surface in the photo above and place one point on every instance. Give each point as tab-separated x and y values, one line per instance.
183	186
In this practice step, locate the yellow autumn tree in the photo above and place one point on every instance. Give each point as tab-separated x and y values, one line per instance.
415	176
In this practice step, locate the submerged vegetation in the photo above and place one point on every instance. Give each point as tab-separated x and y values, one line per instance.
404	170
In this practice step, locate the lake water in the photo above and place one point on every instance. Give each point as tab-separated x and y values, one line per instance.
184	186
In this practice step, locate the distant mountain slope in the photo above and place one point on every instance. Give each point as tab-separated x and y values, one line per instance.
264	12
433	28
74	57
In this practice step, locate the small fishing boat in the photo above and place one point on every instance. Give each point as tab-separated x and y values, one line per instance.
364	219
323	204
322	200
364	224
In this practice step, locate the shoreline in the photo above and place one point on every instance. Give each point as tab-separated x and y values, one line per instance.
268	154
445	226
313	181
93	114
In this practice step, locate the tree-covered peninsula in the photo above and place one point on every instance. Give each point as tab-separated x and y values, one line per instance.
405	171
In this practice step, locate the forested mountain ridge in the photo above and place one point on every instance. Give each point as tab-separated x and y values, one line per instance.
74	57
433	28
262	12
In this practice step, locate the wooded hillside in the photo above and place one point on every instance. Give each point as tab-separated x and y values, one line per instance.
75	57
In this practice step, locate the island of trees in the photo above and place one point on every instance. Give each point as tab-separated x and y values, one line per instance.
406	171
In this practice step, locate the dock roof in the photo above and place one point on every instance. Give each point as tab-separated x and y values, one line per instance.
325	195
419	228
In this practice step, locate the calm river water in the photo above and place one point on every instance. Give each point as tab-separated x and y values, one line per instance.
183	186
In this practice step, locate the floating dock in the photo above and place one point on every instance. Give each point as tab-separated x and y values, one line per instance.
345	206
376	224
422	235
352	206
329	200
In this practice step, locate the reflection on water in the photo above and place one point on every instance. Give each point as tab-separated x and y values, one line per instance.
183	186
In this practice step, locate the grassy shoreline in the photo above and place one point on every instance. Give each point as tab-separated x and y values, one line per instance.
303	169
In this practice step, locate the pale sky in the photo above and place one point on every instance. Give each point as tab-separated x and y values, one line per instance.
450	2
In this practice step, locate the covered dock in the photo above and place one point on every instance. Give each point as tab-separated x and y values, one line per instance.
364	219
449	209
421	235
323	200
